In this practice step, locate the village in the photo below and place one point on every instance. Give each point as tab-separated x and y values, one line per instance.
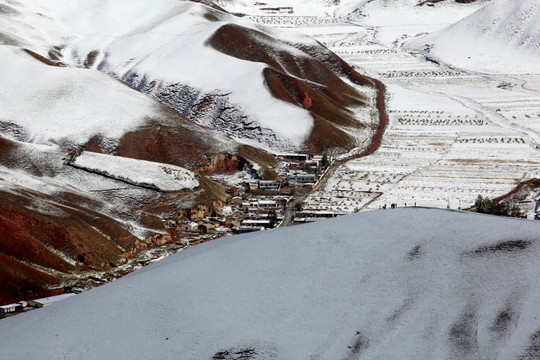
258	204
297	196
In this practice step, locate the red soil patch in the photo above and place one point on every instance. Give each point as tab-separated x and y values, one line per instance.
165	144
325	102
222	163
26	237
41	58
19	281
532	183
27	234
327	112
19	244
311	80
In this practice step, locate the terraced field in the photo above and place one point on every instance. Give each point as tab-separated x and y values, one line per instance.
452	134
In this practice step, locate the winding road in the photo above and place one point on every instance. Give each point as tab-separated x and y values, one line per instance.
375	143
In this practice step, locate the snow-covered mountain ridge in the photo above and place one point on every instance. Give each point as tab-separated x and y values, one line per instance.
154	52
407	283
502	37
398	20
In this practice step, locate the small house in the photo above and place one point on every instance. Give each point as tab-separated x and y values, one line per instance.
253	185
256	223
203	228
222	230
246	229
190	227
294	157
9	308
269	185
267	204
237	199
305	178
38	303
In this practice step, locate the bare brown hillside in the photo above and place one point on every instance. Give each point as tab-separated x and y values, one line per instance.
304	75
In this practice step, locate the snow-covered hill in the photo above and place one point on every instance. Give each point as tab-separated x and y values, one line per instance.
397	20
171	52
502	37
54	105
56	220
388	284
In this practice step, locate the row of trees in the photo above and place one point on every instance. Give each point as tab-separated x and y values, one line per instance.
485	205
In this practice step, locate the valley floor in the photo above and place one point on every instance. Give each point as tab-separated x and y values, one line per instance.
452	134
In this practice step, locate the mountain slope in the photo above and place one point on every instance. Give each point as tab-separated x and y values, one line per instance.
406	283
175	52
58	221
407	12
503	36
398	20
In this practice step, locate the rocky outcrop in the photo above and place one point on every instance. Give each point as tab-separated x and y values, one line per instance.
148	243
222	163
198	212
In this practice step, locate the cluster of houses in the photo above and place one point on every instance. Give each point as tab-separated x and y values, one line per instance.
260	204
37	303
245	215
315	215
303	170
261	214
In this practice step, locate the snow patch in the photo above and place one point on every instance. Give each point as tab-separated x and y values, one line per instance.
158	176
502	37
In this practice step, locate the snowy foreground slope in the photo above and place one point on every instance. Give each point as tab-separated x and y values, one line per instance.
502	37
388	284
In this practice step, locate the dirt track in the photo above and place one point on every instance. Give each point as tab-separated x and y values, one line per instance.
375	143
383	121
534	182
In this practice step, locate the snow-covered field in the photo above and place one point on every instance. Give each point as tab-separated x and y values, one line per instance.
158	176
453	133
384	284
